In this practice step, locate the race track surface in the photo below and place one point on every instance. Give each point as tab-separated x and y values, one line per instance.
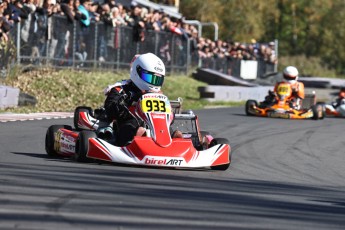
285	174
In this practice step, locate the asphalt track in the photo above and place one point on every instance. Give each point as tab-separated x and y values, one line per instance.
285	174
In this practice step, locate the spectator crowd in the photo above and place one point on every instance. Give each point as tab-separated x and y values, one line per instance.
140	18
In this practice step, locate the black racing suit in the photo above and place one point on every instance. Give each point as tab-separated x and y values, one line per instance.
116	105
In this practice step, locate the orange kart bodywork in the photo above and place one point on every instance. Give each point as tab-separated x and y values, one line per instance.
277	111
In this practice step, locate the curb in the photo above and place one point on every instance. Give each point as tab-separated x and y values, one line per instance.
7	117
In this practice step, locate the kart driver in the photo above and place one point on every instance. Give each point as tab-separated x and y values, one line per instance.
146	75
340	100
290	75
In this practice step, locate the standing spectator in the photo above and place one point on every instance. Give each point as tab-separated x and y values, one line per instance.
116	18
93	12
5	25
15	11
111	3
154	21
105	14
84	33
70	9
84	8
137	23
41	32
3	34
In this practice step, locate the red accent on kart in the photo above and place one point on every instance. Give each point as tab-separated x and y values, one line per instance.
84	121
97	150
142	146
145	146
70	133
223	157
162	134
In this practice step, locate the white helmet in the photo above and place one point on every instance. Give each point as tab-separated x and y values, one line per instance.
147	72
290	73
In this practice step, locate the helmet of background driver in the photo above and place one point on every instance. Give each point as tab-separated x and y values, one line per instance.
147	72
290	74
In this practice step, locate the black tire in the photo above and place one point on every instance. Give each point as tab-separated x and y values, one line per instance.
83	145
217	141
50	139
76	115
319	111
249	104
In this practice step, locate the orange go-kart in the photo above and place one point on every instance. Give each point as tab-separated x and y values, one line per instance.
280	106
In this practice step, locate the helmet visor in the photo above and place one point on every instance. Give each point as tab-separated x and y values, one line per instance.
150	77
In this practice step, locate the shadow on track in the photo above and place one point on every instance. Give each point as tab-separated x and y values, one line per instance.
100	162
164	195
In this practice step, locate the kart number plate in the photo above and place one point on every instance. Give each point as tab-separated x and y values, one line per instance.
155	105
283	90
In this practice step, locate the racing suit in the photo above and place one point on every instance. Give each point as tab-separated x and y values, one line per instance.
295	98
340	100
119	97
297	94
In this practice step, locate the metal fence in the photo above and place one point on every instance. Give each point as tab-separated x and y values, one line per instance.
57	42
232	66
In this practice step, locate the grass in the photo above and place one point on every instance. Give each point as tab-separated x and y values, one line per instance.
63	90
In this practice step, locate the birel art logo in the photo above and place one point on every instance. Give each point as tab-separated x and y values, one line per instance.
158	116
153	161
154	95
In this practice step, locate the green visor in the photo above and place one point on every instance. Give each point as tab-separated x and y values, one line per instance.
150	77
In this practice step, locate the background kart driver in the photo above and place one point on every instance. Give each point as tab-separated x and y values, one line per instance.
146	75
290	75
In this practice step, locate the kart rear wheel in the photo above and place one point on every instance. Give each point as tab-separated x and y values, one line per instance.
50	139
83	145
249	104
76	114
217	141
319	111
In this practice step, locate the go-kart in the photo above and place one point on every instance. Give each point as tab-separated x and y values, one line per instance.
280	106
332	110
197	149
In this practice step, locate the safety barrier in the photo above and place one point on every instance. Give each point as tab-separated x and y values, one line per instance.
55	41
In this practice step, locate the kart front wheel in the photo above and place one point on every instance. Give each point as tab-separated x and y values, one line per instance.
319	111
51	142
250	104
83	145
217	141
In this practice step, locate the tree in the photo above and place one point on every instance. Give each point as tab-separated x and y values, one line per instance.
314	28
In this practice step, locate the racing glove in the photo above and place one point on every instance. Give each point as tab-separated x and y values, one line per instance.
116	106
121	107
